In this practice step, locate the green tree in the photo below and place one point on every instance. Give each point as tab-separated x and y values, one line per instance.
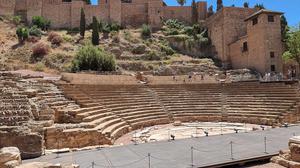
219	5
246	4
181	2
95	33
259	6
22	33
293	47
82	23
284	28
88	2
194	12
210	11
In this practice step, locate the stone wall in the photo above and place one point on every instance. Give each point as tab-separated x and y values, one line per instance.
56	138
30	144
134	14
67	14
7	7
181	13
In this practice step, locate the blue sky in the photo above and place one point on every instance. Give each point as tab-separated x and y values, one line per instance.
289	7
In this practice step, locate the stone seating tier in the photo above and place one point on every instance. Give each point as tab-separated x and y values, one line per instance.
117	109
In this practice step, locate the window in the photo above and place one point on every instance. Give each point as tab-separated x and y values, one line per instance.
272	55
245	47
254	21
273	68
270	18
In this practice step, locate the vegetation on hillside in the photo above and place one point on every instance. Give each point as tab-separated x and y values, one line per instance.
93	58
293	46
191	35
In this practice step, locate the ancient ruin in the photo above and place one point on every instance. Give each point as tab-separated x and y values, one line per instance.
290	158
160	87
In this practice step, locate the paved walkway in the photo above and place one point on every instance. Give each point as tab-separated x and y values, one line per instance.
177	154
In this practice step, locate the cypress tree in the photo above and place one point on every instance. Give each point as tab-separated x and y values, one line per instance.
82	23
88	2
246	5
210	11
194	12
95	33
219	5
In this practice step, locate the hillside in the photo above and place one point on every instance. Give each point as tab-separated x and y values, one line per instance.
133	53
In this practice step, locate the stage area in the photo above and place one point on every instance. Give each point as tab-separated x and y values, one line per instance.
178	154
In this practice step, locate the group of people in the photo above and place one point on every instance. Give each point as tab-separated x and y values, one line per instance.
191	77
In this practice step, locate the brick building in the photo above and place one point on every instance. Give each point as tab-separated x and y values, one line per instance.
242	37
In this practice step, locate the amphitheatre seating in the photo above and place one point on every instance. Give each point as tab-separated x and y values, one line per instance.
117	109
191	102
261	103
15	109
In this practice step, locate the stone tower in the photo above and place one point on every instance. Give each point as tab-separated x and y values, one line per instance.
264	41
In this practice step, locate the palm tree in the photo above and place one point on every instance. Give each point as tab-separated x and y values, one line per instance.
181	2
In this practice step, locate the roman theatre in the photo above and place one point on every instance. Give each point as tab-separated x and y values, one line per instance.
81	110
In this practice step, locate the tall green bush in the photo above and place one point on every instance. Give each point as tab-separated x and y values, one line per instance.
93	58
146	31
41	22
22	33
82	23
35	31
95	33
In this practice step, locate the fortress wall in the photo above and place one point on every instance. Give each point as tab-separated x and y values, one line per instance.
58	13
7	7
134	14
100	11
115	8
182	13
75	13
202	9
34	8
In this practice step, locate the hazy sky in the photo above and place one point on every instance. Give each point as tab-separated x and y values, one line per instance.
291	8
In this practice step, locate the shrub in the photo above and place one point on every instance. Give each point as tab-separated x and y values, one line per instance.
127	35
57	40
16	20
35	31
146	31
39	67
114	27
51	35
41	22
174	23
166	49
93	58
40	50
22	33
67	38
152	56
115	37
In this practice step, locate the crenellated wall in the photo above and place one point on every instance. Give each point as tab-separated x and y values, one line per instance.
67	14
